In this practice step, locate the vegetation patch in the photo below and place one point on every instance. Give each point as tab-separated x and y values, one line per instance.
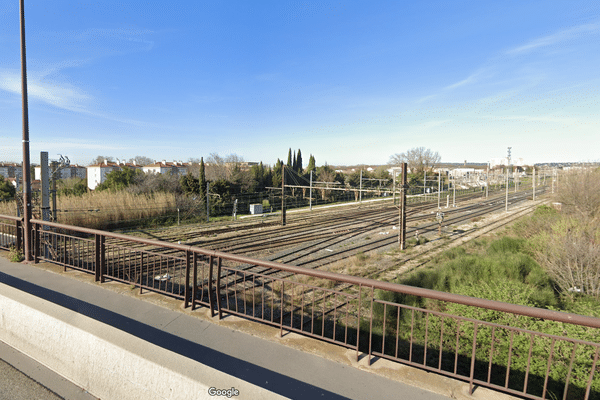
15	255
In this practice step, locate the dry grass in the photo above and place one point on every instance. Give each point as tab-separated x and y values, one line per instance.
8	208
113	207
99	209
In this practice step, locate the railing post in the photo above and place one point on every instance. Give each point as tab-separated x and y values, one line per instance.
195	279
218	288
97	268
211	300
36	243
371	326
358	320
102	258
472	374
142	270
186	291
19	235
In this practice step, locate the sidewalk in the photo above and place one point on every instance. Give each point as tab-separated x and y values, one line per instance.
303	368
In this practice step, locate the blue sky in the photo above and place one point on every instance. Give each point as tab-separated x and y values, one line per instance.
349	82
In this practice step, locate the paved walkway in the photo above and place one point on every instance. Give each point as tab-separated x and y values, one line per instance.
286	371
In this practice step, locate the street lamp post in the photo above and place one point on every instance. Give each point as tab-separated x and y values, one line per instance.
26	168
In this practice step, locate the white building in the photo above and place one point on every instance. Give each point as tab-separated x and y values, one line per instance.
72	171
164	167
11	170
466	172
503	162
96	174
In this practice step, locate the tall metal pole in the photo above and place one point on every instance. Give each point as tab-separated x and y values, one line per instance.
26	168
45	181
360	188
453	191
424	182
283	195
310	192
207	203
487	182
394	186
402	237
533	183
54	171
506	206
439	187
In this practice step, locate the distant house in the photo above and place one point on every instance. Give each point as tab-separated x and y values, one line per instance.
11	170
132	165
72	171
164	167
96	174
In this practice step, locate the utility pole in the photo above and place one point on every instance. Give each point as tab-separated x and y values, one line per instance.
360	188
283	195
54	171
310	192
394	186
424	183
45	181
402	237
533	183
207	203
26	167
439	187
453	191
487	182
506	205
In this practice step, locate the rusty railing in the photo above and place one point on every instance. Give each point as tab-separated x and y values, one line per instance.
529	352
11	232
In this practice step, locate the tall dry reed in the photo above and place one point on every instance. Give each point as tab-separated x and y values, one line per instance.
101	209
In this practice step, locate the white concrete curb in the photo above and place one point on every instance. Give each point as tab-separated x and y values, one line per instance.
105	361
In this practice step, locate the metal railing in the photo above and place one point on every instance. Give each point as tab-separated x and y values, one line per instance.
529	352
11	232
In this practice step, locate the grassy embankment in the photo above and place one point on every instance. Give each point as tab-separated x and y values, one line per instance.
516	268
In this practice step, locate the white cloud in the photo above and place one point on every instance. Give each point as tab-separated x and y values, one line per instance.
558	37
59	94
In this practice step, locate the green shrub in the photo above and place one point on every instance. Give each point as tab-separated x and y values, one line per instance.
15	255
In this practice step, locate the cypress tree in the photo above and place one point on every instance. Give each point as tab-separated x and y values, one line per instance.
294	162
311	164
202	178
299	161
289	161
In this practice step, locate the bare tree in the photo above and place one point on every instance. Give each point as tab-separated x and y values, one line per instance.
571	257
218	167
570	250
141	160
101	159
579	194
419	159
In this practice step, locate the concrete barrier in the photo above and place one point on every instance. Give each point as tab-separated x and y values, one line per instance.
107	362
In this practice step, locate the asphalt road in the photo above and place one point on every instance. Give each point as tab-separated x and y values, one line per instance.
22	378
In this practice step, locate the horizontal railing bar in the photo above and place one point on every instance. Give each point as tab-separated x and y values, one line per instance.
392	287
11	218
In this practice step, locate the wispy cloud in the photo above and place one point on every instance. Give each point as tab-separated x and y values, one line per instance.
79	145
59	94
468	80
555	38
114	39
